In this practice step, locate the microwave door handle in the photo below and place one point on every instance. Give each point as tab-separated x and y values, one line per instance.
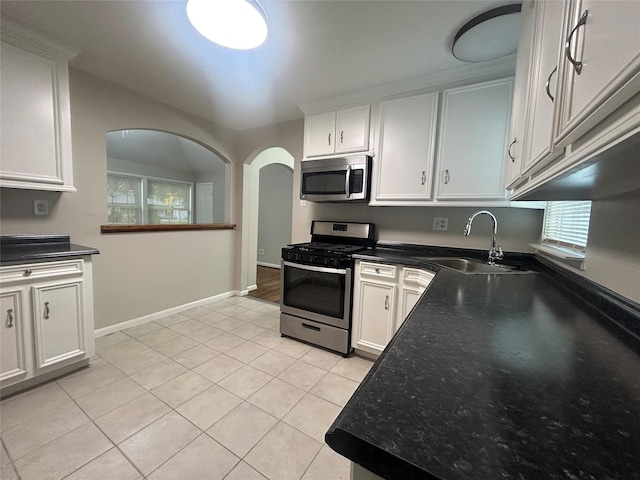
347	181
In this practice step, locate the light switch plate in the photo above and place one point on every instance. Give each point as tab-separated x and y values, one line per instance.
40	207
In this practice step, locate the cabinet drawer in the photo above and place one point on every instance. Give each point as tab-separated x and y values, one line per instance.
35	271
378	270
415	276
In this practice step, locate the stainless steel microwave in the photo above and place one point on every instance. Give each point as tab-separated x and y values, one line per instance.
342	179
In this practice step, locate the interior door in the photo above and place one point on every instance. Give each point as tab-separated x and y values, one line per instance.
204	202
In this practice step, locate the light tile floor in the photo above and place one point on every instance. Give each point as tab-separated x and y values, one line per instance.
211	393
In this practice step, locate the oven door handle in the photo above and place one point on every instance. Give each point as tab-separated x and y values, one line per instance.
313	268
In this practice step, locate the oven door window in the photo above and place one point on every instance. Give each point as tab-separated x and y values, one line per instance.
318	292
324	183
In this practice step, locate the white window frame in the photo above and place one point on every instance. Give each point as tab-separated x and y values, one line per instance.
565	231
144	193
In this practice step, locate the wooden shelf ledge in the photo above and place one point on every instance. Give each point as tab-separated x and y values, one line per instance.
165	228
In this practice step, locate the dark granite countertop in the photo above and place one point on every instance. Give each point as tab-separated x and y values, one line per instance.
16	249
500	376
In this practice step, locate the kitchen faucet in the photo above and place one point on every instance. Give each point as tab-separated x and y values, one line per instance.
495	252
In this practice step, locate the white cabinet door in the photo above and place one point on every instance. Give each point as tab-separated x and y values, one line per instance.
342	131
543	87
12	355
58	322
352	129
35	119
607	44
414	282
376	315
407	142
520	89
473	141
319	134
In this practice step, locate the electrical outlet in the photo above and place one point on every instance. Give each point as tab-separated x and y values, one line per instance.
440	223
40	207
261	251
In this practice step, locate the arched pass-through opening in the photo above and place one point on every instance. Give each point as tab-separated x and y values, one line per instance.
250	209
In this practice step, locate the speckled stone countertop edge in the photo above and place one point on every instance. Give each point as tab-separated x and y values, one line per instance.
21	249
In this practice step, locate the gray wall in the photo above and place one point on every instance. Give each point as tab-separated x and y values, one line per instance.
135	274
274	215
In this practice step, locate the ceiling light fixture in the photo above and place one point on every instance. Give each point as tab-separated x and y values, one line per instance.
492	34
237	24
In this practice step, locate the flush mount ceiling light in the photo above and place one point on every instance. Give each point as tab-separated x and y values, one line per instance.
492	34
238	24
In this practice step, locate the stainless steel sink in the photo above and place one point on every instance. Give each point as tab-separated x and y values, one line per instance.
471	266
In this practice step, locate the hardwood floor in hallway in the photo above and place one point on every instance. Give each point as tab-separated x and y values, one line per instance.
268	281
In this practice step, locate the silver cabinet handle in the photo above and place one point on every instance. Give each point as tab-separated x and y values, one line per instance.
378	271
447	177
46	310
567	46
513	159
341	136
329	139
386	302
423	178
548	84
10	318
27	272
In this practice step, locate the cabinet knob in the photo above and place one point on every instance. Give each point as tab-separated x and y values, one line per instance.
577	66
27	272
46	310
10	318
447	177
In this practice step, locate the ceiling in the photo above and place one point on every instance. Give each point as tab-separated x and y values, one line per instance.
315	50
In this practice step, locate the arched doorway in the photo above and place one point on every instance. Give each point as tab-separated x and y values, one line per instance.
251	209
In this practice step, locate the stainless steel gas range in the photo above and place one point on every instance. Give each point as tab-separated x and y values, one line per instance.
317	285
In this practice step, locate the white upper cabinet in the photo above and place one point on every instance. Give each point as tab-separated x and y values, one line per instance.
406	148
521	86
337	132
474	130
601	53
582	99
543	87
35	113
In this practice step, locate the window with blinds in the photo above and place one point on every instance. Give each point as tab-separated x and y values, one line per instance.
566	225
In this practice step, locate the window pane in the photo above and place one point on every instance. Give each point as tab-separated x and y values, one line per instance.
168	202
567	223
124	200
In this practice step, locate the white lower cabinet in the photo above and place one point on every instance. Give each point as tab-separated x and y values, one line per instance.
12	362
47	312
383	297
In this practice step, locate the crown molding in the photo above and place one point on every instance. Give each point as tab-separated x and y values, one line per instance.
494	69
35	42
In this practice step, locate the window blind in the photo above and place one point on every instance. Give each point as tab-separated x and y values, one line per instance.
567	224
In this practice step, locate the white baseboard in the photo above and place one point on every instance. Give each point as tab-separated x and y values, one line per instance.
101	332
270	265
